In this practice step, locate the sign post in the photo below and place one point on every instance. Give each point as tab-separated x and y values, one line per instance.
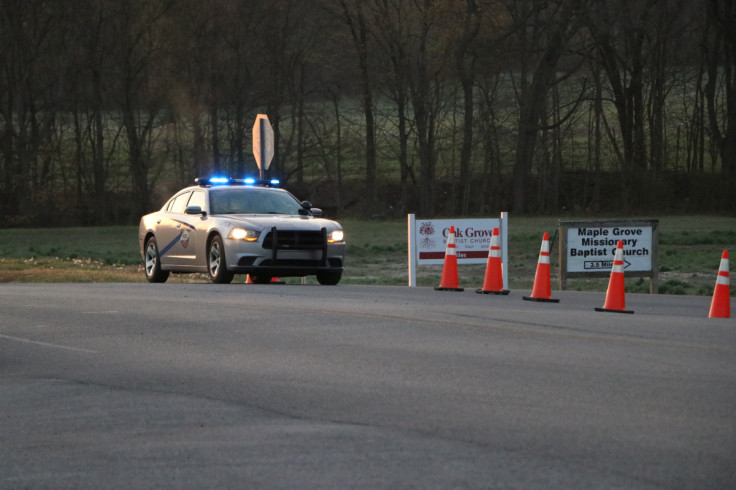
262	142
587	249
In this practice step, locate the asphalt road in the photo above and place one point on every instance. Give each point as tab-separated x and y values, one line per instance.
246	386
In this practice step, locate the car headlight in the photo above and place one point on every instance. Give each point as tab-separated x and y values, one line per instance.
336	236
243	234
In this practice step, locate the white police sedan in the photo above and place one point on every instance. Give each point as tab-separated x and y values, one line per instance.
225	227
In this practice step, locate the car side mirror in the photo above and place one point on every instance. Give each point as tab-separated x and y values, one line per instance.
307	209
194	210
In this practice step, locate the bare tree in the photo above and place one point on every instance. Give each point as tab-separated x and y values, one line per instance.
544	33
428	64
195	56
434	82
142	65
391	27
721	56
32	39
89	75
355	20
465	60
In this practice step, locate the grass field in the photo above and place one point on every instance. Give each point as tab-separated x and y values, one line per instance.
689	255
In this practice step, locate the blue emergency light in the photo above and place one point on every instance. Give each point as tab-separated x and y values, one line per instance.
249	181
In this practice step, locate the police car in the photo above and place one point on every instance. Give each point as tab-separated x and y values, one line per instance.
223	227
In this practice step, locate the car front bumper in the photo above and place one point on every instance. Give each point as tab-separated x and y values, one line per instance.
285	254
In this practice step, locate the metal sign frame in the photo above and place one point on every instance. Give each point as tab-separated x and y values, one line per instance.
478	231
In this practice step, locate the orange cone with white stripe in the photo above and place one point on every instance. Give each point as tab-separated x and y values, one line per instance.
542	290
493	281
450	280
720	306
274	280
615	295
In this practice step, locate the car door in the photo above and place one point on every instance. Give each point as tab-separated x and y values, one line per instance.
193	232
169	232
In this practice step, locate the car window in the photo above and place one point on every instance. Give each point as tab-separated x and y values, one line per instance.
197	199
180	203
252	200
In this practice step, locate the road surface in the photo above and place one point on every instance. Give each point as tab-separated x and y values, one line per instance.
292	386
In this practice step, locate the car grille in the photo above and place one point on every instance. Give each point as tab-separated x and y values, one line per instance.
294	240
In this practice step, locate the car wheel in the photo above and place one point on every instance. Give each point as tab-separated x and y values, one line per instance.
216	264
153	263
329	278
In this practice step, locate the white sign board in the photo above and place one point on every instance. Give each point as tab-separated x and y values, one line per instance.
587	248
593	248
428	241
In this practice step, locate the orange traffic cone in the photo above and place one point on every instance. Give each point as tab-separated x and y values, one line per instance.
542	290
493	281
615	296
720	306
274	280
449	280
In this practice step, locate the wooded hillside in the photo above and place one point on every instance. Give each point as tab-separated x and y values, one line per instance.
379	107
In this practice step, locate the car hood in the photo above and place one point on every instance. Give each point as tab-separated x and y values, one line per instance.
281	222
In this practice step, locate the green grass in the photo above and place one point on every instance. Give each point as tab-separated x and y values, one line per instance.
109	245
689	255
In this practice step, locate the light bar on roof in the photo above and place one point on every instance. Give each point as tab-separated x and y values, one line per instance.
217	180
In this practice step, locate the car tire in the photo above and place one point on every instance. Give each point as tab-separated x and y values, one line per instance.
329	278
152	266
216	263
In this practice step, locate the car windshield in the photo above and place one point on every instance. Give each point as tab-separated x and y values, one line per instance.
252	200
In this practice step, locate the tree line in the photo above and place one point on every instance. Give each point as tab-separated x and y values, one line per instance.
379	107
